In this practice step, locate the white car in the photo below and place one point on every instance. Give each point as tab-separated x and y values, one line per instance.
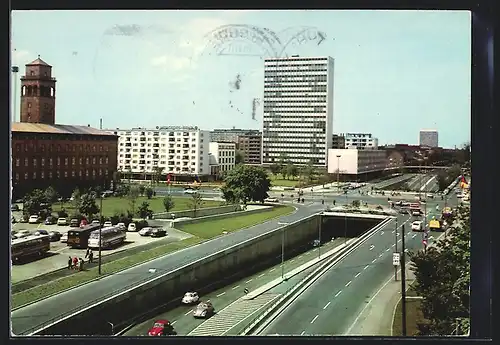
271	200
132	227
189	191
121	225
64	238
107	224
145	231
190	298
22	233
62	221
416	226
95	222
33	219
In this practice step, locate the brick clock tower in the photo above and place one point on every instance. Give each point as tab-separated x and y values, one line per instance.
38	93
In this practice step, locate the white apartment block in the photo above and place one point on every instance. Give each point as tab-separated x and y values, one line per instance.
179	150
429	138
298	110
224	154
354	162
360	141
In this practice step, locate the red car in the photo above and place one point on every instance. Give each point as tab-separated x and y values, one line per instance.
161	328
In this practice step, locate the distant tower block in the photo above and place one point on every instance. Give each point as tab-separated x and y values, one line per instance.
38	93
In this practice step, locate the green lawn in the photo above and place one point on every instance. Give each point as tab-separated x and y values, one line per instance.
414	316
212	228
114	204
56	286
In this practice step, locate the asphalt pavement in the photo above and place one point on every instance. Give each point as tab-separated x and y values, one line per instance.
332	303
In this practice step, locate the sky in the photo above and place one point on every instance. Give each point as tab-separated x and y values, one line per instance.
396	72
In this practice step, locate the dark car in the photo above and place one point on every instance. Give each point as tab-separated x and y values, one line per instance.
50	220
158	232
204	310
41	232
161	328
14	207
55	236
74	223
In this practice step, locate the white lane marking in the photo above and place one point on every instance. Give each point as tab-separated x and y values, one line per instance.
272	269
338	293
237	286
298	257
302	333
357	275
221	294
248	281
381	233
174	322
398	234
409	232
348	283
371	247
388	249
380	255
326	305
366	267
399	240
260	276
312	321
307	253
393	231
189	312
373	261
292	260
394	245
415	235
430	238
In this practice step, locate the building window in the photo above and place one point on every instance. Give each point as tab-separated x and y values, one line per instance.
67	147
25	176
66	161
58	161
58	174
18	147
100	172
25	147
50	162
50	174
100	148
26	162
80	173
87	160
42	174
87	173
42	147
107	160
73	160
29	104
100	160
58	148
106	172
80	160
17	177
93	160
34	162
73	173
94	148
18	162
93	173
34	175
65	174
81	149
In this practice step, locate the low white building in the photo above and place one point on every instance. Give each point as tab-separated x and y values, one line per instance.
360	141
354	162
224	154
178	150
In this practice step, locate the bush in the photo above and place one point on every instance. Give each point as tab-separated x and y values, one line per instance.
141	224
149	192
62	213
122	190
79	217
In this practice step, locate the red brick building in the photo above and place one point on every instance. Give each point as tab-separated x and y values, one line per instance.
48	154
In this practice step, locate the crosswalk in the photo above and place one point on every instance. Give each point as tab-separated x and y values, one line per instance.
227	318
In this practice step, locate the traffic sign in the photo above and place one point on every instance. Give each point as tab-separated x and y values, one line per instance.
395	259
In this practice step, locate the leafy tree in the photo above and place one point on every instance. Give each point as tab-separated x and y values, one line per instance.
122	190
33	202
157	173
88	206
291	170
76	195
50	195
284	172
168	203
196	202
149	192
324	178
356	203
246	183
308	171
442	276
142	189
275	168
132	196
239	157
62	213
144	211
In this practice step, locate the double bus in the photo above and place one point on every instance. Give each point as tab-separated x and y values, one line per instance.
111	236
29	246
79	237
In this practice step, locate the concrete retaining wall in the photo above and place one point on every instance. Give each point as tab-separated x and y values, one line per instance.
202	212
179	223
127	306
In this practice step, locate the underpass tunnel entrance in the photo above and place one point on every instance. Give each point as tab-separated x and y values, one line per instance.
345	226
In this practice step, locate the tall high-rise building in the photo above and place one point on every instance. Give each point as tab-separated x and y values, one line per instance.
298	110
429	138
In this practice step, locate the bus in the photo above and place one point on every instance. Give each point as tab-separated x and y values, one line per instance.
79	237
29	246
414	209
111	236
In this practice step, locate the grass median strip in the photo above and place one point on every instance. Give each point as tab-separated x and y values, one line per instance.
59	285
414	315
216	227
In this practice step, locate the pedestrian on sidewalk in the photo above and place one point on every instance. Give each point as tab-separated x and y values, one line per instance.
70	263
81	264
75	263
87	253
91	257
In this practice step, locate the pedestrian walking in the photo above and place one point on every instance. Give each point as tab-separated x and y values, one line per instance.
87	253
91	257
70	263
75	263
81	264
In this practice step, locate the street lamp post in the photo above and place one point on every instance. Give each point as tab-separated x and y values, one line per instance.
319	235
15	70
403	282
396	249
282	250
338	173
100	233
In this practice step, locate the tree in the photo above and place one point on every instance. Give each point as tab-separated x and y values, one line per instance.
195	203
122	190
246	183
239	157
76	195
157	173
324	178
50	195
88	206
308	171
33	202
284	172
144	211
142	189
442	275
275	168
149	192
291	170
168	203
132	196
356	203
